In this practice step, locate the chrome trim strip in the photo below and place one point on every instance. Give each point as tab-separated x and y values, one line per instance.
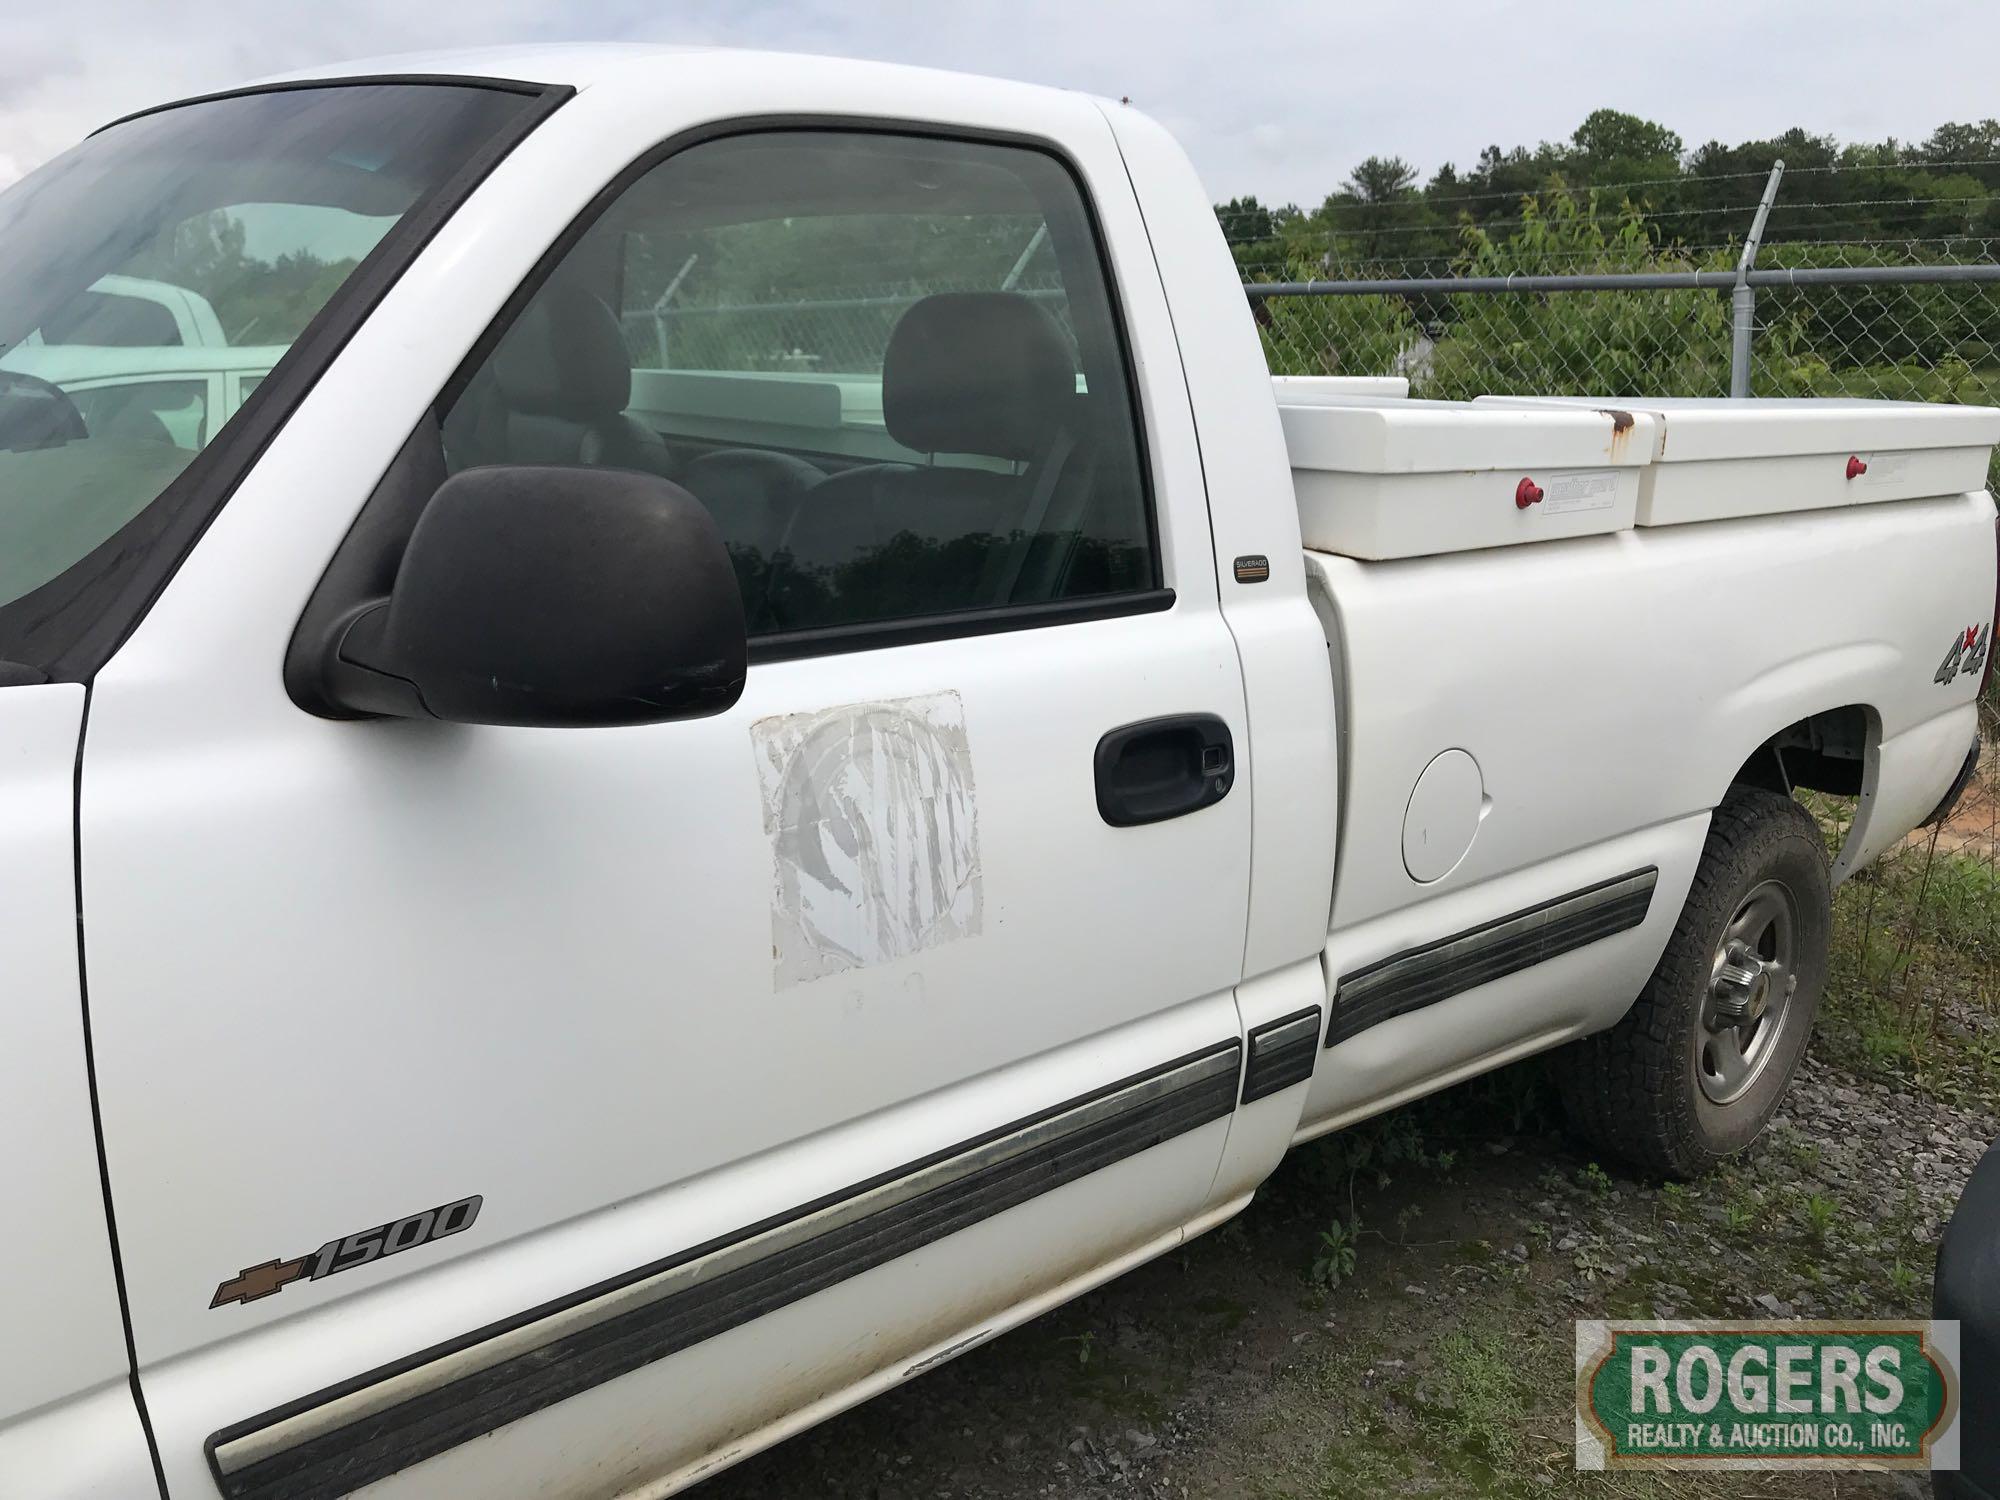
1423	976
918	1204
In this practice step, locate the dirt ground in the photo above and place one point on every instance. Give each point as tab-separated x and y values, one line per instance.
1440	1363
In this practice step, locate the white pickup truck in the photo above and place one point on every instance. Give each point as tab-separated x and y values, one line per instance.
769	749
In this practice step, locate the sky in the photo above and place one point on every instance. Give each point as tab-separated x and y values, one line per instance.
1275	100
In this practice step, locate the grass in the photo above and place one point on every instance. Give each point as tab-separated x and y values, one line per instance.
1913	993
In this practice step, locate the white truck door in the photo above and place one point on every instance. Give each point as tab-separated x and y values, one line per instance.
68	1426
530	1084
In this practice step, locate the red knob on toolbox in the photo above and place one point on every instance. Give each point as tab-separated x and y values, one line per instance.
1527	493
1855	467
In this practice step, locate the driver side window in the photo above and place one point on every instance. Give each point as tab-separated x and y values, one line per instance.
889	366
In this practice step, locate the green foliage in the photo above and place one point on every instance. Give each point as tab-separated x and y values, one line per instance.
1333	335
1595	1181
1622	193
1483	1388
1086	1345
1914	994
1861	193
1335	1261
1819	1211
1577	343
257	301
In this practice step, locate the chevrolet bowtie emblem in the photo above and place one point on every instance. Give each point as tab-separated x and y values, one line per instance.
348	1251
262	1281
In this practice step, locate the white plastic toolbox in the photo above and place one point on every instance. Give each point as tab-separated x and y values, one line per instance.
1382	477
1715	458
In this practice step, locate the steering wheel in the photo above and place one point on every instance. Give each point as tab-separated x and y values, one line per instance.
36	413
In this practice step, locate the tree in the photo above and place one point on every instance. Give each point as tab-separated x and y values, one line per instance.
1381	215
1244	221
1608	135
1380	179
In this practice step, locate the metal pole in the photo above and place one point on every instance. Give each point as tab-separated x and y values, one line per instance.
1743	301
1027	254
660	308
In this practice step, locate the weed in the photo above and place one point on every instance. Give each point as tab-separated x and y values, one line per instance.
1820	1212
1591	1262
1335	1261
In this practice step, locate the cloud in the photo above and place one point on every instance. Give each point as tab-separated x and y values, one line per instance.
1276	100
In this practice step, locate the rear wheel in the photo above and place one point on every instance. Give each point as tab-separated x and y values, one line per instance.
1697	1067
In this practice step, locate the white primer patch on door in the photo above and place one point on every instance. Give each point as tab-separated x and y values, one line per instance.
874	830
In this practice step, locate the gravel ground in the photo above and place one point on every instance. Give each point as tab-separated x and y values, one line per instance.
1441	1363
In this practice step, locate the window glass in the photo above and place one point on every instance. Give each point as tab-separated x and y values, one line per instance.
144	264
155	411
889	366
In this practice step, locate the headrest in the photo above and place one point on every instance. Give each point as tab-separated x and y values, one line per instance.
564	356
977	372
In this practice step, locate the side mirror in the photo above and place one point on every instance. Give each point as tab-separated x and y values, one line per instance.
549	596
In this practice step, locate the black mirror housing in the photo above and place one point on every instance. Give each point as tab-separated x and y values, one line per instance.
550	596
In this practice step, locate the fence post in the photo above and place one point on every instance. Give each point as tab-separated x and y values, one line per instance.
1743	301
660	310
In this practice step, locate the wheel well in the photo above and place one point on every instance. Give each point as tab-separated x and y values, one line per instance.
1824	752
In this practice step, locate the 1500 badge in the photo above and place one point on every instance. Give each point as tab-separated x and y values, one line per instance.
1967	655
349	1251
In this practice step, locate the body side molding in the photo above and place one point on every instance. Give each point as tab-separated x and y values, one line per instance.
1423	976
340	1439
1281	1053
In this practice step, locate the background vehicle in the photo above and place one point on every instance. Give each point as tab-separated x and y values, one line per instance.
145	360
706	890
1968	1289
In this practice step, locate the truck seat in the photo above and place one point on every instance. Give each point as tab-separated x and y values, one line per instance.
555	392
987	374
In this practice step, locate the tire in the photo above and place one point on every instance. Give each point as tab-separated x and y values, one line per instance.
1695	1070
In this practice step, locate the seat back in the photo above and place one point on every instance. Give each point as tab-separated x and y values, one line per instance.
988	375
555	392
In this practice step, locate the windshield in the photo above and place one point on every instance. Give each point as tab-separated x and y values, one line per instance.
151	278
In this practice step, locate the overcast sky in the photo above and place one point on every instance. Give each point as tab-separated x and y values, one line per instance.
1274	100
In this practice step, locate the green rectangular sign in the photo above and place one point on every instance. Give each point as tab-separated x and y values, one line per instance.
1743	1395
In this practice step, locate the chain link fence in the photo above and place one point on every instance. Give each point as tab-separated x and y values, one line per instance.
841	335
1660	331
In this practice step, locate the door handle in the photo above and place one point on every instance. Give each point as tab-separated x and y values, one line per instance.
1163	768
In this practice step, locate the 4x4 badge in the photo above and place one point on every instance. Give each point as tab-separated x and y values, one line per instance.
1967	656
349	1251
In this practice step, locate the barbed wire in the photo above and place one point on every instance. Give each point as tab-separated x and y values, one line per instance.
1421	198
1645	217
